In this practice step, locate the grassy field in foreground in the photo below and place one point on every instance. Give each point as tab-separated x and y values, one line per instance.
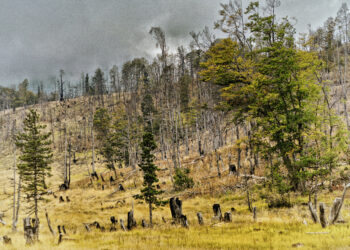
274	229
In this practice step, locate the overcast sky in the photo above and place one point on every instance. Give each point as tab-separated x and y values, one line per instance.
39	37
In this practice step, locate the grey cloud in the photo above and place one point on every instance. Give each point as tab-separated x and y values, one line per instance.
39	37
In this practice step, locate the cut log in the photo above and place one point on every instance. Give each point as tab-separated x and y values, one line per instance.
131	220
228	217
217	212
323	220
200	218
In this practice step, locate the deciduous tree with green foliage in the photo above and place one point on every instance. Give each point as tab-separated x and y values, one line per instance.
274	87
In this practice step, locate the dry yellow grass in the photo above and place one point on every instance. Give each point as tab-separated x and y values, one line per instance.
274	229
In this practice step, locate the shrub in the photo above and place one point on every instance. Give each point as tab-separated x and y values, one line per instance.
182	180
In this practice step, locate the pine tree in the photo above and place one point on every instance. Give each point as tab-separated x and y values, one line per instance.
149	193
35	160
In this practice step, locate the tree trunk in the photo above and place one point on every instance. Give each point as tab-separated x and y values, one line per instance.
150	214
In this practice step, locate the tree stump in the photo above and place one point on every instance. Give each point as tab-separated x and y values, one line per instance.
96	225
232	169
323	215
131	220
175	209
60	235
122	224
228	217
111	180
30	228
184	221
217	212
87	227
113	220
200	218
144	223
335	211
254	213
7	240
94	175
313	212
121	188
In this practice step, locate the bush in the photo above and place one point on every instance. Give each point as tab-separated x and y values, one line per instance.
182	180
278	201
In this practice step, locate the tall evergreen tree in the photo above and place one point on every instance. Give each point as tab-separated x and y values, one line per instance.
36	156
149	193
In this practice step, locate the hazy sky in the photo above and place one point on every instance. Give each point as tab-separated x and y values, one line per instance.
39	37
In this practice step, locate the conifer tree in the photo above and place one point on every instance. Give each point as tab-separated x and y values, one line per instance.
34	167
149	193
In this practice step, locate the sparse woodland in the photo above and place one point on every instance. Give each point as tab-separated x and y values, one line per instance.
237	142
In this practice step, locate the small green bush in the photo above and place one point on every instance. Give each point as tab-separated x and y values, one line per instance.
182	180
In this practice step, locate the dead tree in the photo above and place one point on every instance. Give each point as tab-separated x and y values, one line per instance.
335	211
49	224
217	212
200	218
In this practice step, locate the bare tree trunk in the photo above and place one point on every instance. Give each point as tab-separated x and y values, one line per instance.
14	222
150	214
